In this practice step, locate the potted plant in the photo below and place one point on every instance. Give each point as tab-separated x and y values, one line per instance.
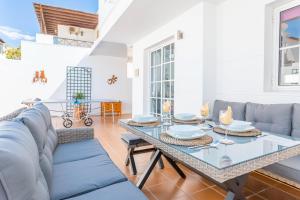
79	108
78	97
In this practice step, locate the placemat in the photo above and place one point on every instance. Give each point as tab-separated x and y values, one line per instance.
149	124
196	121
200	141
252	133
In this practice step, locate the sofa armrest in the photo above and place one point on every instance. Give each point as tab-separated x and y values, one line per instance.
12	115
74	134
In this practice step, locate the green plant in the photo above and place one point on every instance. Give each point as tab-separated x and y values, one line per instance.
79	95
13	53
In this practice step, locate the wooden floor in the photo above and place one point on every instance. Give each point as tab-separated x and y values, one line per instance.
167	185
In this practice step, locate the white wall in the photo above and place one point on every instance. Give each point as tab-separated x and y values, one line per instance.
16	76
103	68
240	53
188	62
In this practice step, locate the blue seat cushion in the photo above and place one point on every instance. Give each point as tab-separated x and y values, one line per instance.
132	139
77	151
81	176
124	190
238	109
274	118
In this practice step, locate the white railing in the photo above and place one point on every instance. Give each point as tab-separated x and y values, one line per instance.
71	42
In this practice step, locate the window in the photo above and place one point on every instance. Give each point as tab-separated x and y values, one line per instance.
161	78
287	23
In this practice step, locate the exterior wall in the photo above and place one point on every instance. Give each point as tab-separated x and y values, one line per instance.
88	34
241	53
16	75
103	68
188	62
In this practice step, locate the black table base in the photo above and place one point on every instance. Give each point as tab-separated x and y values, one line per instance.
234	186
155	158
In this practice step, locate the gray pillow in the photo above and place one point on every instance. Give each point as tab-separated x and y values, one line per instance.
273	118
238	109
20	173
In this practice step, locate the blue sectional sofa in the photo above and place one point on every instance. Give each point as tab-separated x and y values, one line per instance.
283	119
38	162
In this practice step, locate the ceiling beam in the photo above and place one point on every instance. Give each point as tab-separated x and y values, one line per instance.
50	17
43	24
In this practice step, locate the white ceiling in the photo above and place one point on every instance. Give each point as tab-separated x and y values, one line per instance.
144	16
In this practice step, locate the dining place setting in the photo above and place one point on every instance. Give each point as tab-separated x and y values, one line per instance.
194	131
219	147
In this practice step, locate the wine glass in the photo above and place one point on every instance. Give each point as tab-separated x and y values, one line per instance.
166	117
225	121
204	111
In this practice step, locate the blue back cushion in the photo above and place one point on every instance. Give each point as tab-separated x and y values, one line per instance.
296	121
52	138
273	118
237	108
21	177
35	122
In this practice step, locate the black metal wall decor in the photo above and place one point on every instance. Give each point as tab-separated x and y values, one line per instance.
79	83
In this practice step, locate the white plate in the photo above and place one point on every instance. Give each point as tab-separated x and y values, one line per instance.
237	129
144	119
236	124
185	132
185	116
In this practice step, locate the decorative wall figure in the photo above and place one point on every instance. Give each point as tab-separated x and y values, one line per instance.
40	77
112	80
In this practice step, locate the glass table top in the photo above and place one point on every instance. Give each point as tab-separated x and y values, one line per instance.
244	149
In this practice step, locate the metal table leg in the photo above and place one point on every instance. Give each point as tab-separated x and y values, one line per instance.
154	159
148	170
175	166
235	187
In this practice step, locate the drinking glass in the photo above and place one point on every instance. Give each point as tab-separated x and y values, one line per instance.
225	124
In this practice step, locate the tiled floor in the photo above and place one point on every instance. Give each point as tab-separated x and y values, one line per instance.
167	185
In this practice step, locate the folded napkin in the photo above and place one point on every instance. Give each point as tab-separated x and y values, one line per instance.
226	118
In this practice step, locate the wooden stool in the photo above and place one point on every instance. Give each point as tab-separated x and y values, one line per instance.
132	141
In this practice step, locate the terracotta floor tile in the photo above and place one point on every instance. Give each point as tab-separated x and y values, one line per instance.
276	194
255	197
208	194
166	191
192	184
263	178
149	195
219	189
255	185
289	189
157	178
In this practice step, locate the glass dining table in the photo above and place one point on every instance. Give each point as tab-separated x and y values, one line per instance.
226	165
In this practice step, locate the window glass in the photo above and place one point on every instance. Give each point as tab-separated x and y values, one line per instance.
289	44
162	78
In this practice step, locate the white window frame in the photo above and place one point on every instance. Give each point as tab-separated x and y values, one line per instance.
276	49
161	46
